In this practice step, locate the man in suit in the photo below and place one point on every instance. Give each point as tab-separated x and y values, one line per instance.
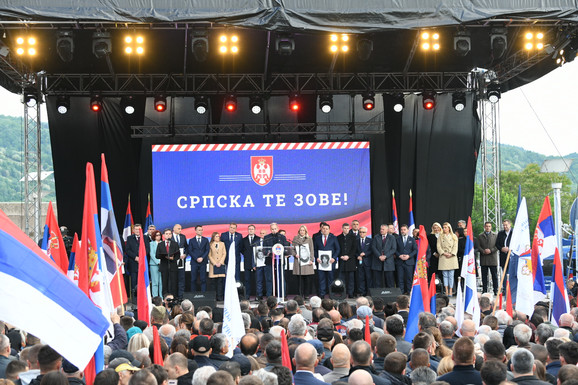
181	240
364	256
347	261
405	259
391	230
261	270
488	257
503	244
232	237
131	252
355	228
248	250
269	241
383	265
305	361
199	251
326	242
168	252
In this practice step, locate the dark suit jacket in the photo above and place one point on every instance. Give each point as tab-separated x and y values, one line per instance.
388	249
196	251
347	246
131	252
182	242
364	248
433	248
462	375
410	249
173	252
331	244
503	241
306	378
248	251
488	242
226	239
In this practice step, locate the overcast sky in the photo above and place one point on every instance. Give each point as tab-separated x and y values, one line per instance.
554	98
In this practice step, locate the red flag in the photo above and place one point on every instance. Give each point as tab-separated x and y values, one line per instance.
509	308
143	295
55	246
500	301
158	356
367	333
285	358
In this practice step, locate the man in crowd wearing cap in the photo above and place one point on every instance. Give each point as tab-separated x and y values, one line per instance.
201	349
365	311
158	314
177	368
48	360
128	356
75	376
125	372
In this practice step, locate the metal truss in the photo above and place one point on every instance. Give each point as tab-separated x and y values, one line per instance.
32	175
251	84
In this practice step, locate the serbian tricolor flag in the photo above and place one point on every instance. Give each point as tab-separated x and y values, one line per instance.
543	245
411	223
395	220
419	301
37	297
128	223
149	216
52	242
111	242
468	273
432	294
143	291
72	272
520	248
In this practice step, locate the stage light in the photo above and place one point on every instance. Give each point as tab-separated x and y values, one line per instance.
428	100
368	101
430	41
65	45
127	104
337	290
326	103
26	45
160	103
96	103
256	104
228	44
284	44
533	41
294	102
62	104
459	101
134	44
462	43
364	49
498	42
30	97
200	45
231	103
101	44
201	104
493	92
339	42
240	289
398	102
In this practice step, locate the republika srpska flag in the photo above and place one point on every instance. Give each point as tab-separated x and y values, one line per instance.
52	242
419	301
394	207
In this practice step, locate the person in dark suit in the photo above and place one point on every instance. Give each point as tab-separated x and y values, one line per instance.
364	257
488	257
304	361
326	242
464	358
261	289
250	264
181	240
347	261
383	265
269	241
199	251
168	252
432	240
503	244
131	253
228	238
355	228
405	259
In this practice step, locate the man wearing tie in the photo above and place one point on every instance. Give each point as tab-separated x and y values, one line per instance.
269	241
364	257
326	242
168	252
199	251
405	259
131	252
347	262
503	244
250	264
181	240
232	237
260	270
355	228
383	265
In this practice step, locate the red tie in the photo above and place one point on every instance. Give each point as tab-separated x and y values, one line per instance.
324	240
383	238
167	247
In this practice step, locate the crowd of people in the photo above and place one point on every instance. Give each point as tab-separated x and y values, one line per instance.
327	344
359	261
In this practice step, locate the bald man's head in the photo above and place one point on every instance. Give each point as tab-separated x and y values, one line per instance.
360	377
468	328
340	357
305	357
335	316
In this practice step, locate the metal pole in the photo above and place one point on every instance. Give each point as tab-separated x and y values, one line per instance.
557	187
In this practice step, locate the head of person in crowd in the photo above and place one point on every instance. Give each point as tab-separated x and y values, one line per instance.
493	372
48	359
522	335
107	377
494	351
568	353
422	375
220	377
522	363
305	357
143	377
463	352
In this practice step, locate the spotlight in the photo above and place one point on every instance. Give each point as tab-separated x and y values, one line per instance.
398	102
337	290
101	44
96	103
256	104
459	101
284	45
26	45
294	103
134	44
30	97
127	104
62	104
533	41
493	92
160	103
200	45
364	49
339	43
368	101
231	103
326	103
240	289
462	43
430	41
201	104
65	45
498	42
429	101
228	44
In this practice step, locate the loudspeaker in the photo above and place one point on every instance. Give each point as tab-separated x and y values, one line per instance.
198	298
388	294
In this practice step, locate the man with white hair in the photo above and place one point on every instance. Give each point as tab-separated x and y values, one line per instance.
523	368
187	305
504	320
447	331
5	357
522	335
167	332
561	333
202	375
565	322
315	302
468	328
297	329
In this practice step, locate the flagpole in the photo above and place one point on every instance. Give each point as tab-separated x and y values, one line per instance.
118	273
503	276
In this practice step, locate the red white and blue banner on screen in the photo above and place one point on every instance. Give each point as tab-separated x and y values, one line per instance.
292	184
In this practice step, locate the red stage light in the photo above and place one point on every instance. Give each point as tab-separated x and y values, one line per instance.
294	104
160	103
368	106
95	103
160	107
231	103
95	107
428	105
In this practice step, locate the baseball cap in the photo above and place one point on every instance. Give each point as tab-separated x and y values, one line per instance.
121	353
68	367
123	367
201	344
364	311
158	312
318	345
243	362
324	333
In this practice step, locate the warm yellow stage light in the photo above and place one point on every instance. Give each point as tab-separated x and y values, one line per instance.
529	46
20	51
223	49
128	39
344	37
539	45
223	38
20	40
425	46
26	45
345	48
529	35
128	50
31	51
140	39
234	49
333	37
425	35
539	35
435	36
234	38
31	41
140	50
436	46
334	48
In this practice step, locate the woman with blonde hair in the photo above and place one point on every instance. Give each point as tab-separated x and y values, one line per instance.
217	264
432	240
136	342
303	263
447	247
446	365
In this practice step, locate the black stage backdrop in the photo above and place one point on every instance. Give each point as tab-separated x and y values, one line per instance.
433	153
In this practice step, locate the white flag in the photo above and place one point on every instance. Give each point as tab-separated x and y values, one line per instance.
233	326
460	309
521	246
